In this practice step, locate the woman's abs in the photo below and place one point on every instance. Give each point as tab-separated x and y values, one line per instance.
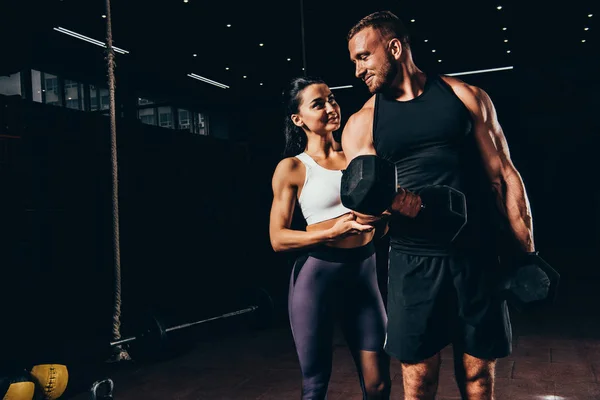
355	240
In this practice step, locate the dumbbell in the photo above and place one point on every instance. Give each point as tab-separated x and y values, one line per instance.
369	186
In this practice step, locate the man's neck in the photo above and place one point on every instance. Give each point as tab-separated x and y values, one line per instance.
409	83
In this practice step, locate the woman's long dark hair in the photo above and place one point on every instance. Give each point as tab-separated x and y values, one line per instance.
295	137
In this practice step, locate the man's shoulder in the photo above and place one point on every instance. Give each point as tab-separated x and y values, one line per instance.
460	87
365	114
473	97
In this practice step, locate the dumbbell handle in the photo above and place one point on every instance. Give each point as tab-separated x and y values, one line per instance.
407	203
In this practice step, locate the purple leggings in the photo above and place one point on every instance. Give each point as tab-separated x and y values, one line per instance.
326	284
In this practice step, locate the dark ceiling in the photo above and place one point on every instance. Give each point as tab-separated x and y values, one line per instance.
163	37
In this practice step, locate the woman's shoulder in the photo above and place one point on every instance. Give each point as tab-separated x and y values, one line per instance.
289	168
289	163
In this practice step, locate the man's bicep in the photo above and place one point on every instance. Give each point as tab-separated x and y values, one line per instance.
357	138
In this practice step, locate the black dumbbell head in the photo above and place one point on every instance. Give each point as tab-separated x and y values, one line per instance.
368	184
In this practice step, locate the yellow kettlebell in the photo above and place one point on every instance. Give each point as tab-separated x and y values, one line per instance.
51	379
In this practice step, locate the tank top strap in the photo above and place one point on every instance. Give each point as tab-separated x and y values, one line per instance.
306	159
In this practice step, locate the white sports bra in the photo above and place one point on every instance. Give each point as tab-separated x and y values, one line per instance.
320	197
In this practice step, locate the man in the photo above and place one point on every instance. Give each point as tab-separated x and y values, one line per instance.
438	130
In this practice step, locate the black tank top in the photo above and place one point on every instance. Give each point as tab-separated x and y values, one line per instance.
430	139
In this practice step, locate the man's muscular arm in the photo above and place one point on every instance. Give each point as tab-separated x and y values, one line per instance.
357	140
357	136
505	179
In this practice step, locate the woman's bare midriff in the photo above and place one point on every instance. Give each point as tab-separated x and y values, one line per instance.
344	243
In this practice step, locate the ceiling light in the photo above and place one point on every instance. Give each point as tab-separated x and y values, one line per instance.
499	7
245	76
439	60
261	84
426	40
504	28
479	71
87	39
195	55
508	51
185	1
261	44
586	29
206	80
289	59
505	40
433	51
412	20
229	25
103	16
590	15
340	87
226	68
583	41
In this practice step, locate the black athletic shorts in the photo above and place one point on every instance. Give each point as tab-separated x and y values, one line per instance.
437	300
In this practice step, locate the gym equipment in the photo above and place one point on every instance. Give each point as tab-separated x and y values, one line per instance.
153	337
52	379
17	385
102	389
528	281
369	186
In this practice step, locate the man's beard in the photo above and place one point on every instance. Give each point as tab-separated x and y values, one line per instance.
385	77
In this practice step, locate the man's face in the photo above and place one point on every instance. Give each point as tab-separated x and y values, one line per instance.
374	64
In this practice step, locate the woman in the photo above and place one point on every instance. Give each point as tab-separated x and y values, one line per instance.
336	276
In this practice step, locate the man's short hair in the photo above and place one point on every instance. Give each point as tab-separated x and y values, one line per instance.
386	22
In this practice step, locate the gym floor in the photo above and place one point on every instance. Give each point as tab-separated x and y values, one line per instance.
556	357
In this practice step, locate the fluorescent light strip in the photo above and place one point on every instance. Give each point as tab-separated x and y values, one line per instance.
480	71
341	87
201	78
206	80
88	39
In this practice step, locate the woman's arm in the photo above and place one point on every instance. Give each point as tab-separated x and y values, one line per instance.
287	179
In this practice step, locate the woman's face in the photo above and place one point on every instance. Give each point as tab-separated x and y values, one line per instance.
318	110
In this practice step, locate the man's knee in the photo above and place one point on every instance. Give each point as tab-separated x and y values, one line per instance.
479	377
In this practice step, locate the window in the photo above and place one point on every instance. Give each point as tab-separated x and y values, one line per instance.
99	99
50	91
165	117
36	81
10	85
93	98
147	116
104	99
185	121
74	95
200	124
